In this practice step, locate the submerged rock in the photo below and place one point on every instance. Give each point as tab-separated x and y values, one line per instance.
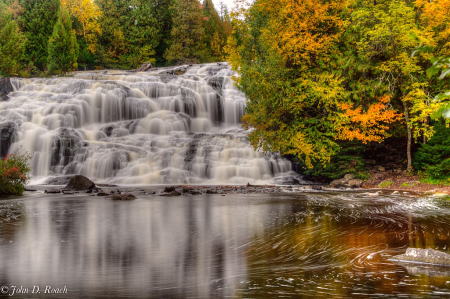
122	197
426	256
80	182
173	193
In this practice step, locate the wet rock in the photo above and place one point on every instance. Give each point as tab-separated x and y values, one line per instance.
173	193
60	180
7	135
30	190
80	183
169	189
5	88
144	67
211	191
52	191
102	194
67	192
122	197
194	192
428	256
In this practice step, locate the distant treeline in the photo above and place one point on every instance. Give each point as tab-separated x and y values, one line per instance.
41	37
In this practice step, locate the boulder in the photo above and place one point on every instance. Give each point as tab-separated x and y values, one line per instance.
426	256
79	183
7	135
144	67
348	181
5	88
381	168
59	180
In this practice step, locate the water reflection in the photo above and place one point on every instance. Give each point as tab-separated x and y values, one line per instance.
257	246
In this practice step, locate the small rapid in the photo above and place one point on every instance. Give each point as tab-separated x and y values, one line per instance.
178	125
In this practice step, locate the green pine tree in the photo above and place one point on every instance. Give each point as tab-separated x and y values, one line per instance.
187	35
214	31
37	21
62	46
12	45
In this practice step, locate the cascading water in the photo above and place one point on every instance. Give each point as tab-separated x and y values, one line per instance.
176	125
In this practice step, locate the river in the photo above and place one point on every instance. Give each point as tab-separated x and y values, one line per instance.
287	245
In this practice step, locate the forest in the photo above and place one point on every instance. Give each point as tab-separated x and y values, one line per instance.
46	37
328	83
333	82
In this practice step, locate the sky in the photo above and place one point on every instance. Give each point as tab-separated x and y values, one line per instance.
229	3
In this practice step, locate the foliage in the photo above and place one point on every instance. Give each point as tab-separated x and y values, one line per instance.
385	184
12	44
63	46
187	42
434	157
87	13
348	160
14	173
37	22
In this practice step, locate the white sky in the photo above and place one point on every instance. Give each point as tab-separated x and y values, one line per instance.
229	3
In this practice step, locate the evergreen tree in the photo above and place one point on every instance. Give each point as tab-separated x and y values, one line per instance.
12	45
187	34
63	46
214	31
130	32
38	19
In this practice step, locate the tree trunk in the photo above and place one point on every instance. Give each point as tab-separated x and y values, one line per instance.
408	130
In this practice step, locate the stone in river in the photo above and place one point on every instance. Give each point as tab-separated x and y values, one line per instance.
425	256
80	182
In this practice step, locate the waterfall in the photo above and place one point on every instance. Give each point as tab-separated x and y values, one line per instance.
178	125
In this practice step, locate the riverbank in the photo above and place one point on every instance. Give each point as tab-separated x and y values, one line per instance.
403	182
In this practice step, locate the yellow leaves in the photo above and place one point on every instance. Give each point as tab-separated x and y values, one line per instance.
88	14
369	125
436	15
303	30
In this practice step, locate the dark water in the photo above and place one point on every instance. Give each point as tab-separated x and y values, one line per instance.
322	245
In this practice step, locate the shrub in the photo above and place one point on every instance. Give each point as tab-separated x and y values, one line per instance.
14	173
433	158
385	184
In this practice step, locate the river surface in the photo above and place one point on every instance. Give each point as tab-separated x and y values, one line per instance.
289	245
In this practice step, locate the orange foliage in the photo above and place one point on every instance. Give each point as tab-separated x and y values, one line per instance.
304	29
367	126
436	14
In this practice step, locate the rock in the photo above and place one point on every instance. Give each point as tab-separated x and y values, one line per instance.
418	255
59	180
144	67
169	189
349	176
348	181
440	195
354	183
30	190
370	162
122	197
79	183
395	192
67	192
173	193
194	193
211	192
381	168
52	191
5	88
102	194
7	136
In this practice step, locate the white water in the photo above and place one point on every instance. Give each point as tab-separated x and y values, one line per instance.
139	128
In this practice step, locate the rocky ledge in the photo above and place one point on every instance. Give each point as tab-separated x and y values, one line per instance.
5	88
348	181
423	256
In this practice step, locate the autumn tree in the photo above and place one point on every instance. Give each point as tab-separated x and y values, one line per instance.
186	42
12	43
63	47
